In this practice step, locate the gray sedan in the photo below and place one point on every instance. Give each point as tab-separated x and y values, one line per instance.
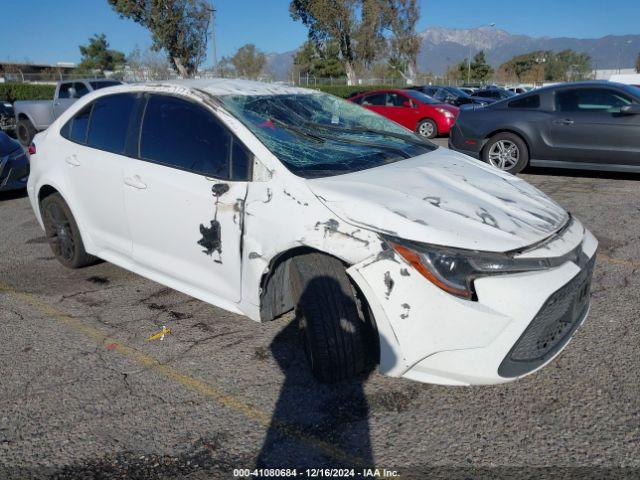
584	125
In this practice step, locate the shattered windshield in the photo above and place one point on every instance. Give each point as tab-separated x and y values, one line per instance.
319	135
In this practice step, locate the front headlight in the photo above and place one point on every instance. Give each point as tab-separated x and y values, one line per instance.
454	270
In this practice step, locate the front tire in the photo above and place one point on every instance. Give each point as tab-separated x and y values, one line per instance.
427	128
25	131
63	233
507	152
335	333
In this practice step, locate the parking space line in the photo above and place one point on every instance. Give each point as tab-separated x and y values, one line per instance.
206	389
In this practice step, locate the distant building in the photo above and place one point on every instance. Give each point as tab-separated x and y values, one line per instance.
608	73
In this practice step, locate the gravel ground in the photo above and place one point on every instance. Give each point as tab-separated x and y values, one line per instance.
84	395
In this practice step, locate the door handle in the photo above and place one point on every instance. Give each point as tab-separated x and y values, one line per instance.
564	121
72	160
135	182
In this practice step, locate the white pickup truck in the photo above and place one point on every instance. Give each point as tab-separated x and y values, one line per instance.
33	116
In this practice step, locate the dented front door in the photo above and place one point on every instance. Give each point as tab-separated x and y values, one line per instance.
186	227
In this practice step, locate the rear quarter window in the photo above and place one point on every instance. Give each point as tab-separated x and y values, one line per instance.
76	128
532	101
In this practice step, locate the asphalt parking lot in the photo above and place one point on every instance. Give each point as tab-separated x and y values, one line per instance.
83	394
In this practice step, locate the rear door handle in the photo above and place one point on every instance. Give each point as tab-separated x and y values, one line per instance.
135	182
564	121
72	160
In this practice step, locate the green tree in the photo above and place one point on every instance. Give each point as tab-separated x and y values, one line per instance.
478	71
97	55
248	61
179	27
401	17
355	25
541	66
321	61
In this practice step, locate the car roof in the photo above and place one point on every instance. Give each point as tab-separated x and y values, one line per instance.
229	86
586	83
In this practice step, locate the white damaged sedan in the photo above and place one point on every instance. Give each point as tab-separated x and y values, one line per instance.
262	199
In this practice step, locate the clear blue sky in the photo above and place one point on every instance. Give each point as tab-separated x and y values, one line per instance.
51	30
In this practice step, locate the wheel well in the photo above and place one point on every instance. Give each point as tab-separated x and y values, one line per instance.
275	289
512	132
44	192
22	116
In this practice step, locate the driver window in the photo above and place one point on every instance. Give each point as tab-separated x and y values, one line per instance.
591	100
181	134
64	90
80	89
396	100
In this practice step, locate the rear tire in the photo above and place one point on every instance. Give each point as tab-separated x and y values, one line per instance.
427	128
63	233
496	153
25	131
335	333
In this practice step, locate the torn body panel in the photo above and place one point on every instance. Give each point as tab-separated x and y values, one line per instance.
431	336
443	199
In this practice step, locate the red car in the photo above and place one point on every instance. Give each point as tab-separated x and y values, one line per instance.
411	109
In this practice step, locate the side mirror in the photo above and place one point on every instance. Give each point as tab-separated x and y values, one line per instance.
633	109
406	104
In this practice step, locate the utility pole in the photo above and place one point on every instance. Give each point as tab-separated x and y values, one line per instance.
214	51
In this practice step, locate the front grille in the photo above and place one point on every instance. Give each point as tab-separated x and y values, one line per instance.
552	327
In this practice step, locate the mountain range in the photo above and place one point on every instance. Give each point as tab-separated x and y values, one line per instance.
441	47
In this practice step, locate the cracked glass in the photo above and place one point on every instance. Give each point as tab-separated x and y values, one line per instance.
319	135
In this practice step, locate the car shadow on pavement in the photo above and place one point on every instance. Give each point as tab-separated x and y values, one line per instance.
569	172
315	425
12	195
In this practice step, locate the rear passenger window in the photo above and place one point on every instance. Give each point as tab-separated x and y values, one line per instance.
532	101
377	99
76	128
110	122
181	134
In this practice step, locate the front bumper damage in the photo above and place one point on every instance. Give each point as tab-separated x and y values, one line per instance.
431	336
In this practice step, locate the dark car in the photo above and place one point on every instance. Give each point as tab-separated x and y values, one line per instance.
451	95
492	95
7	118
587	125
14	164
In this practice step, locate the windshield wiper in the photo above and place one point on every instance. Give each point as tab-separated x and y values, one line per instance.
384	133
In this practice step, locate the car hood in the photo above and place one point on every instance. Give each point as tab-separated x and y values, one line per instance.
450	108
443	198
